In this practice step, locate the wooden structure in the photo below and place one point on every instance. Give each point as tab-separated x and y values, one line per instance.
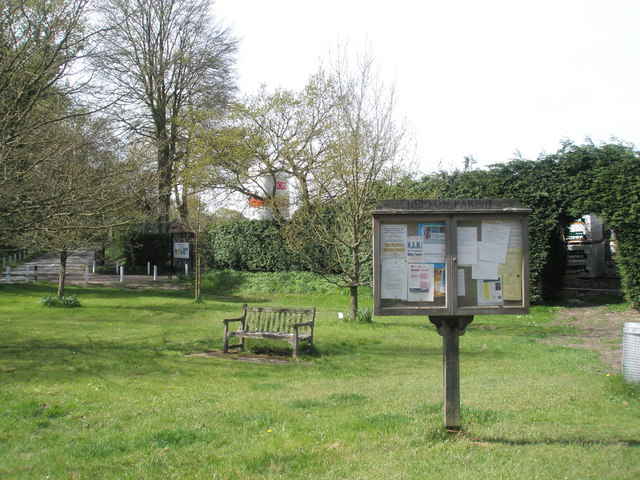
451	259
291	325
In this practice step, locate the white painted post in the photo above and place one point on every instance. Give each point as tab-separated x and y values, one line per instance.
93	269
155	272
7	275
148	268
86	274
186	269
121	274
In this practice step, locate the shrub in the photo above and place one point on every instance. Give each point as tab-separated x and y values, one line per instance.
363	315
64	302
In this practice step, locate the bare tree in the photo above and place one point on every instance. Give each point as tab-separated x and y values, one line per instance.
96	190
162	60
39	44
363	164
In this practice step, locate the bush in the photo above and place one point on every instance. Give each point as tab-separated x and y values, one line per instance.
64	302
231	282
364	315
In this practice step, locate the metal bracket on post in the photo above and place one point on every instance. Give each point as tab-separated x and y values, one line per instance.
451	328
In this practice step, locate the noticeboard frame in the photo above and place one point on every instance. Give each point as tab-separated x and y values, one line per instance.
452	214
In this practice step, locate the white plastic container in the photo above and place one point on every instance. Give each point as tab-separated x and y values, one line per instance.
631	352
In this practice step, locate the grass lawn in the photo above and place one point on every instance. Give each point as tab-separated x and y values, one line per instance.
107	391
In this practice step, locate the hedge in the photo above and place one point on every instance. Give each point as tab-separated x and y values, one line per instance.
247	245
586	179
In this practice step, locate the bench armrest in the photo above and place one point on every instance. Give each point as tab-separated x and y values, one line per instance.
227	321
305	324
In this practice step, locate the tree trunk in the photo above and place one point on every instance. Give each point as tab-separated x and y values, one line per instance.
63	273
165	173
353	301
197	278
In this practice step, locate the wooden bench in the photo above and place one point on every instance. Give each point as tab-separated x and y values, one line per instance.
291	325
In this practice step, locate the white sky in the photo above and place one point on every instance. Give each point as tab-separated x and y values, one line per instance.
473	77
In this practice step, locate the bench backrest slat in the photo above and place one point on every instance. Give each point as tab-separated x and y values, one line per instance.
262	319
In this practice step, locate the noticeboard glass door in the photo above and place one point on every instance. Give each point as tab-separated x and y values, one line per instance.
490	263
412	263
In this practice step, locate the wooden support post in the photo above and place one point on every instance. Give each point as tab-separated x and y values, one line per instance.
451	374
451	328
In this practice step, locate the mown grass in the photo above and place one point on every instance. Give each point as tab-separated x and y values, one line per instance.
108	391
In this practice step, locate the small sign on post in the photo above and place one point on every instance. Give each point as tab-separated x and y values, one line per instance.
451	260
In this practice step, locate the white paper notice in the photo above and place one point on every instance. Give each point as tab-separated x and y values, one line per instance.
490	292
467	245
394	242
515	235
484	270
414	249
421	282
433	242
462	290
495	240
393	279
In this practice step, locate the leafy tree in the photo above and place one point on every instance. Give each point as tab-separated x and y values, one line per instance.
161	60
269	135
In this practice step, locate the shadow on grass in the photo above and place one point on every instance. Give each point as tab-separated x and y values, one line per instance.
562	441
59	361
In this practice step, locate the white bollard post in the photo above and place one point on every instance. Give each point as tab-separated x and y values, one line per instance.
155	272
7	277
93	269
121	274
86	274
148	268
186	269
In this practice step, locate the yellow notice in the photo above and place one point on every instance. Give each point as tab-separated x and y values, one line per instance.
512	286
511	275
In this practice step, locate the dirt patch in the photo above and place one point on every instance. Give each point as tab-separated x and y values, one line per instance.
599	328
242	358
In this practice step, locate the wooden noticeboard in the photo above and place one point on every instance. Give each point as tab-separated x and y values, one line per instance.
451	257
